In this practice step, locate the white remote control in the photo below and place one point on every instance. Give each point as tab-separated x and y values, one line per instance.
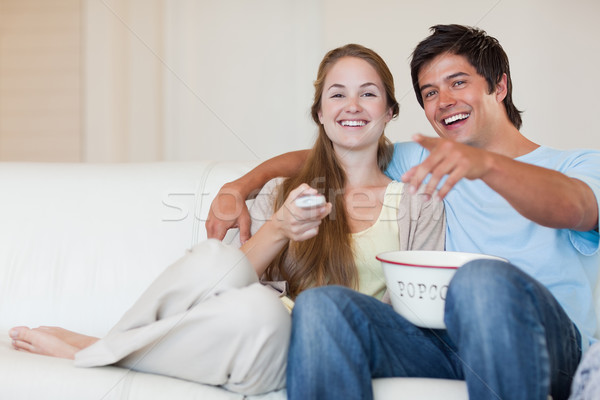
310	201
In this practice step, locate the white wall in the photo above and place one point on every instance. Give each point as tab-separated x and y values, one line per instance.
239	80
123	80
40	81
200	79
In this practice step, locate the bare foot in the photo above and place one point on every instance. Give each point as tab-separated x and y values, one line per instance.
49	341
73	338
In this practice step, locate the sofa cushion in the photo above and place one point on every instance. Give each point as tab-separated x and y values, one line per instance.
33	376
80	242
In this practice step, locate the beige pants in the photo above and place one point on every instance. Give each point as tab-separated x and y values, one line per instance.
205	319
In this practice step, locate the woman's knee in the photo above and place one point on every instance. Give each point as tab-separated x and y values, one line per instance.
261	311
260	335
222	265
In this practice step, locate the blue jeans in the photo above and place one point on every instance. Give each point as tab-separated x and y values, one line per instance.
506	336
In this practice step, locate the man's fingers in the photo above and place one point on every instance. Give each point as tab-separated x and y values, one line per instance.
446	167
431	185
244	223
227	210
452	180
215	228
420	172
215	232
407	176
446	160
428	142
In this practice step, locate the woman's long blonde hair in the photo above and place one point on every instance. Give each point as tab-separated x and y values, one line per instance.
328	257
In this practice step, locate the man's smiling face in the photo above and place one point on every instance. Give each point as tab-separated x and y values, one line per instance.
457	101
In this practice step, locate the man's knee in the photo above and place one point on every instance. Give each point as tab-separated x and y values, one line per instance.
485	288
482	278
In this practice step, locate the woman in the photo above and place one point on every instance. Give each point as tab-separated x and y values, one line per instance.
207	318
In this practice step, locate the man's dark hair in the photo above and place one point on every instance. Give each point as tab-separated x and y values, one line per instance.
481	50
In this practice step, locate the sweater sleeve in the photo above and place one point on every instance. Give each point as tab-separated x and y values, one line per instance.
260	209
421	222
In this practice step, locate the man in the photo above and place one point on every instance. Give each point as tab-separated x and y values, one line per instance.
514	331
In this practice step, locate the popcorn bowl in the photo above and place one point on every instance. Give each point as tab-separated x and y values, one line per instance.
417	282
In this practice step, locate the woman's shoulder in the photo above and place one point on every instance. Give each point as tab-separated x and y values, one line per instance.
394	193
262	205
395	187
272	185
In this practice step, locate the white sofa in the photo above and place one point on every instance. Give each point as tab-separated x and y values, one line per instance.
80	242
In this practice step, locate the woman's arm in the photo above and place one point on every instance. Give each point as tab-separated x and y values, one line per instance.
289	222
228	209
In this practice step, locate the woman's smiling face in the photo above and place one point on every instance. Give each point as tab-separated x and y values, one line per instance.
354	108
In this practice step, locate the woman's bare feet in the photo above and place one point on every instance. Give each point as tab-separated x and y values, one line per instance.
49	341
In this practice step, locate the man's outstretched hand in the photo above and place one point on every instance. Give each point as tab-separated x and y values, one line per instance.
446	158
228	210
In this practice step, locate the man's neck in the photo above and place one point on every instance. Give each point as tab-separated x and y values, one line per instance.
510	143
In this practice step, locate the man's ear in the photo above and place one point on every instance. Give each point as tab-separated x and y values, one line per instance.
502	88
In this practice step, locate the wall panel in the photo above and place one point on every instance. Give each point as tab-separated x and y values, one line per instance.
40	80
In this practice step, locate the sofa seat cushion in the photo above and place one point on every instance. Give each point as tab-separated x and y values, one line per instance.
31	376
419	389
